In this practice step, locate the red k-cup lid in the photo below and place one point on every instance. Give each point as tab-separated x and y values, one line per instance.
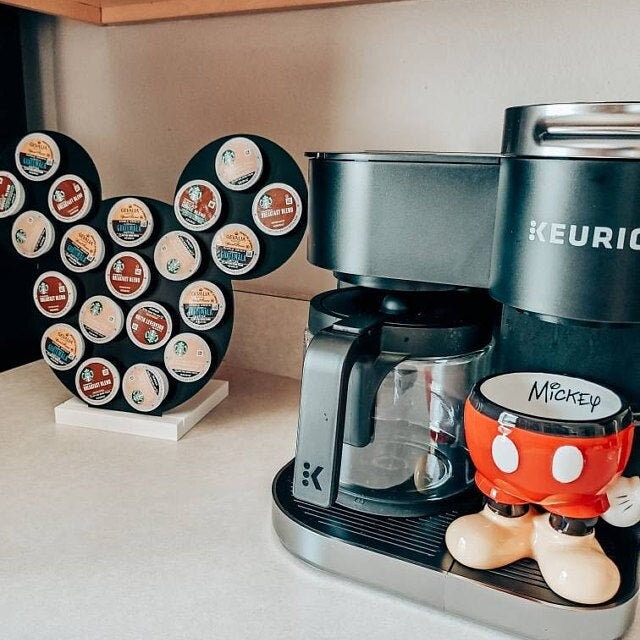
54	294
12	194
277	209
97	381
70	198
197	205
127	275
149	325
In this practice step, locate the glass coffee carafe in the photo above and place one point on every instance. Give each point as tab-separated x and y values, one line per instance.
417	456
399	409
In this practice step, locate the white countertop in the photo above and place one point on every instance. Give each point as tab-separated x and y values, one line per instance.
105	535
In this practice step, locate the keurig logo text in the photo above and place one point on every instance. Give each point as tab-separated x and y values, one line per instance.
585	235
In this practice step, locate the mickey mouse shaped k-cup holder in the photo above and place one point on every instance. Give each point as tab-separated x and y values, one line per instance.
134	296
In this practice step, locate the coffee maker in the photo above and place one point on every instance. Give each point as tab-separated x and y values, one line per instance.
451	267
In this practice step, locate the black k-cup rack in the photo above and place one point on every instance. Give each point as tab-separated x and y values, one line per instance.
237	195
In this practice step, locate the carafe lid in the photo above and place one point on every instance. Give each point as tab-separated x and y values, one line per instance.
433	324
602	130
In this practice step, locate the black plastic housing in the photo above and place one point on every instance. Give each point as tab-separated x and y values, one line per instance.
567	238
407	218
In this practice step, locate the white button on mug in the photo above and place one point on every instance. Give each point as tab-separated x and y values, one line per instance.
505	454
567	465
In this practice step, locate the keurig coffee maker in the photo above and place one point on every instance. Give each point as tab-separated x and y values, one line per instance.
485	326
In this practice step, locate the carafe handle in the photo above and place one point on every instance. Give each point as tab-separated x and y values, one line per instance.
325	375
366	377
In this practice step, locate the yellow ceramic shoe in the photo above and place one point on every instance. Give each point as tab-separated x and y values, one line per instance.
574	567
487	540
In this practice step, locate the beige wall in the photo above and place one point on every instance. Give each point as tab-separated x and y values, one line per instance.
430	75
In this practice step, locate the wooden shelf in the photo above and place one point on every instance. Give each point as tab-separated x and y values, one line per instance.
105	12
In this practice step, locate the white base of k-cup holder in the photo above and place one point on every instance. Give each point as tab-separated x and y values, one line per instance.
171	425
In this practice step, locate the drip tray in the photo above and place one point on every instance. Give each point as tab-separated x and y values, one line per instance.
408	556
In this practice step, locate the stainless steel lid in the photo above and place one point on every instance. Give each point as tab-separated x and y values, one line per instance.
573	130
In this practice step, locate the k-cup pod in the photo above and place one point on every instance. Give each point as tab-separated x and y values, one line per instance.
277	209
69	198
149	325
54	294
37	156
32	234
235	249
127	275
97	381
202	305
145	387
82	248
12	194
177	255
100	319
62	346
197	205
239	164
130	222
187	357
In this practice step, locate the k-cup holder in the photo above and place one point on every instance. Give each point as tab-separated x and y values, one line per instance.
133	290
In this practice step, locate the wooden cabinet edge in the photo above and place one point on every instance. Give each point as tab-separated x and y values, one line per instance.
115	12
76	10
